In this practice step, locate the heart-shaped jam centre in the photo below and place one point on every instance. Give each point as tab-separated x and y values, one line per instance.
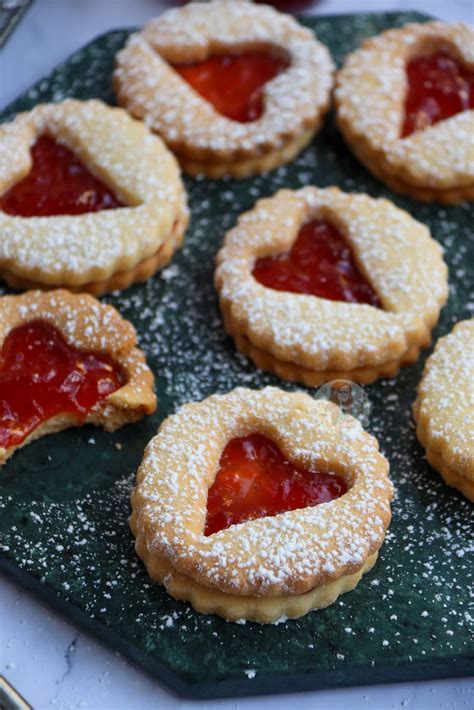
255	480
320	263
439	86
42	376
57	184
233	83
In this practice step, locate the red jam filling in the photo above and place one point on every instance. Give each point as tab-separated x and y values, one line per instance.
255	480
42	376
439	86
233	83
320	263
57	184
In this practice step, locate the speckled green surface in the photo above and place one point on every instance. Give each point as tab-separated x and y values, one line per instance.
64	499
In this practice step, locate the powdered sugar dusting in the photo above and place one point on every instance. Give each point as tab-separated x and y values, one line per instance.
84	321
53	488
267	554
446	398
70	250
151	89
321	334
370	95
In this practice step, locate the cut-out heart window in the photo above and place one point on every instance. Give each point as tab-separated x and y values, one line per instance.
439	86
234	83
255	480
58	184
319	263
41	376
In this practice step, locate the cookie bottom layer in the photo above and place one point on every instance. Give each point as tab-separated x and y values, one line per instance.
452	196
374	162
463	484
114	419
233	607
250	166
117	282
313	378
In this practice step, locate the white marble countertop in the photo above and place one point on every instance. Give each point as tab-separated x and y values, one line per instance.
46	658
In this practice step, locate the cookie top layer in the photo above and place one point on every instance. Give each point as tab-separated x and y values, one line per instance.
74	250
394	252
370	95
149	87
289	553
444	408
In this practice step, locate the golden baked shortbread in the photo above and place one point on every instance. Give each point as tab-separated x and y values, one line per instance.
117	209
317	284
67	360
233	88
405	107
444	408
262	568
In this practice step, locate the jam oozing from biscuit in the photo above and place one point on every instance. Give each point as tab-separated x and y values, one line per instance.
57	184
439	86
255	480
320	263
234	83
42	376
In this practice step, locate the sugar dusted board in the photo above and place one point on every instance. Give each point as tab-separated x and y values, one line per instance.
64	499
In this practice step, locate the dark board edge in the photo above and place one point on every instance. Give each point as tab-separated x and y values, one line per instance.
238	687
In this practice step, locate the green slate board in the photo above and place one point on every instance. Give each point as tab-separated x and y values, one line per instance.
64	499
